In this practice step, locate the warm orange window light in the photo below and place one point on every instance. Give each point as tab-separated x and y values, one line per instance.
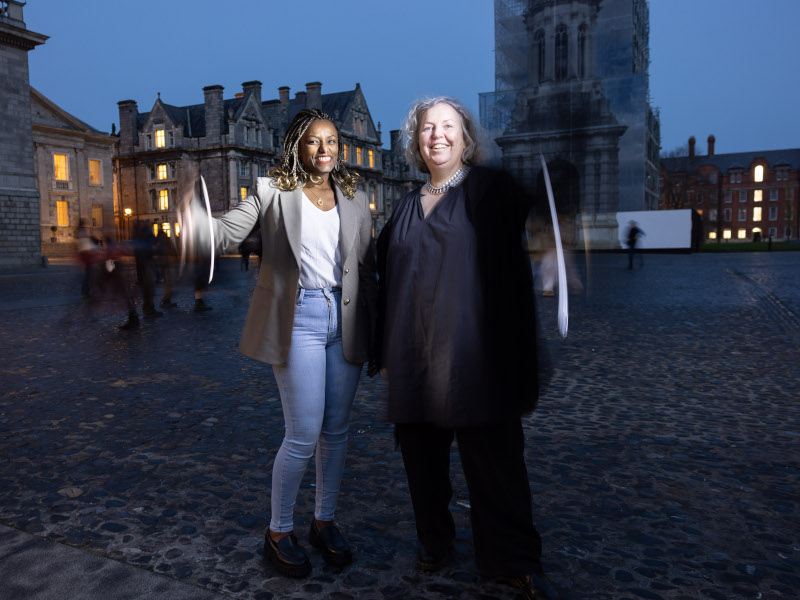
359	154
161	171
60	167
155	228
62	213
243	192
742	234
95	174
758	195
163	200
165	229
758	173
726	234
161	138
712	235
177	229
345	152
371	155
756	213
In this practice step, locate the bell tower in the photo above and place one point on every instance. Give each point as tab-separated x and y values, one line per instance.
20	238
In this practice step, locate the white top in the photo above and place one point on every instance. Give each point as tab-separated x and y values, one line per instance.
320	257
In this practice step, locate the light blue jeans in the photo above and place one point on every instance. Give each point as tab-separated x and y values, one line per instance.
317	386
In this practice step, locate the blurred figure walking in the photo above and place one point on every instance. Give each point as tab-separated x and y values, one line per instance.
632	241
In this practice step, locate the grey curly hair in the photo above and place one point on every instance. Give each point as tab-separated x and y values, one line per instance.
410	131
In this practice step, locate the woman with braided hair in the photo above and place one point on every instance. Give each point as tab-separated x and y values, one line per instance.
310	318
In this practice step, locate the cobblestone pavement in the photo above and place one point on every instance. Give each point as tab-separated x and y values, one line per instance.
663	457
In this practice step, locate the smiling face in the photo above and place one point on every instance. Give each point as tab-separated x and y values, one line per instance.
319	148
441	138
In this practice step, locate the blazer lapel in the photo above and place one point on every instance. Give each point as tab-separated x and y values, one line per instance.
348	223
292	212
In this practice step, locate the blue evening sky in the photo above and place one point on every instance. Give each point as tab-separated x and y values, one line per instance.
717	66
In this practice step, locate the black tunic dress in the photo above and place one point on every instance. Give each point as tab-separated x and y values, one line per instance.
435	350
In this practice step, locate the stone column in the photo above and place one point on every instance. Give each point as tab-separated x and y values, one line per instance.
20	239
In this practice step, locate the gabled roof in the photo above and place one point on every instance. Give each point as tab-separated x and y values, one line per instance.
66	120
789	157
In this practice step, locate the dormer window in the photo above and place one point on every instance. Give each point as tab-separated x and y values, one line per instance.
161	138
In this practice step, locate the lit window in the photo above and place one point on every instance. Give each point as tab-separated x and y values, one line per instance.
165	229
756	213
177	229
163	199
95	172
97	216
758	195
161	171
60	167
345	152
726	234
773	195
359	154
371	156
161	139
758	173
155	228
244	191
62	213
742	234
712	235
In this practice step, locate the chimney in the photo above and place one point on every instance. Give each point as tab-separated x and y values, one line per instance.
711	141
253	87
128	131
394	139
691	147
314	95
283	94
301	98
214	111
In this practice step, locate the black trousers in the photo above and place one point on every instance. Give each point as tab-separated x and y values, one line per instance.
506	541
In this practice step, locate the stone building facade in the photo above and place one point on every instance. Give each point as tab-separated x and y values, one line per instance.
74	166
19	198
399	177
230	142
742	196
572	84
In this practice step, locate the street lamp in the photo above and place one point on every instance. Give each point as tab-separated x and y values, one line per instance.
127	212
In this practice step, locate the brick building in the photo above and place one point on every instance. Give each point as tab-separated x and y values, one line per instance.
19	198
743	196
74	167
230	142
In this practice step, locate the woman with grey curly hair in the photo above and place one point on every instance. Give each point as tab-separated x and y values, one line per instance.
310	318
459	346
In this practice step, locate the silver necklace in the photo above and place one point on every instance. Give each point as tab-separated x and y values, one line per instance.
457	178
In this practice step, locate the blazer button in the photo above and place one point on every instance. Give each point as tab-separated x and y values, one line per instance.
346	301
346	271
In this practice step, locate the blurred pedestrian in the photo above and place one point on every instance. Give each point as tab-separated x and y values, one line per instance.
88	257
144	252
166	254
310	319
459	346
632	236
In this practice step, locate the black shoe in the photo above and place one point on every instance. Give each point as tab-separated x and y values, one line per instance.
536	586
331	543
167	303
287	556
151	313
131	323
200	306
430	562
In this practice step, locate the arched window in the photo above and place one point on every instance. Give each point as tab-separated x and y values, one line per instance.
582	35
758	173
562	52
538	43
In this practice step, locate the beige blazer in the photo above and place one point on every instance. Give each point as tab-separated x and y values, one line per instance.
268	329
